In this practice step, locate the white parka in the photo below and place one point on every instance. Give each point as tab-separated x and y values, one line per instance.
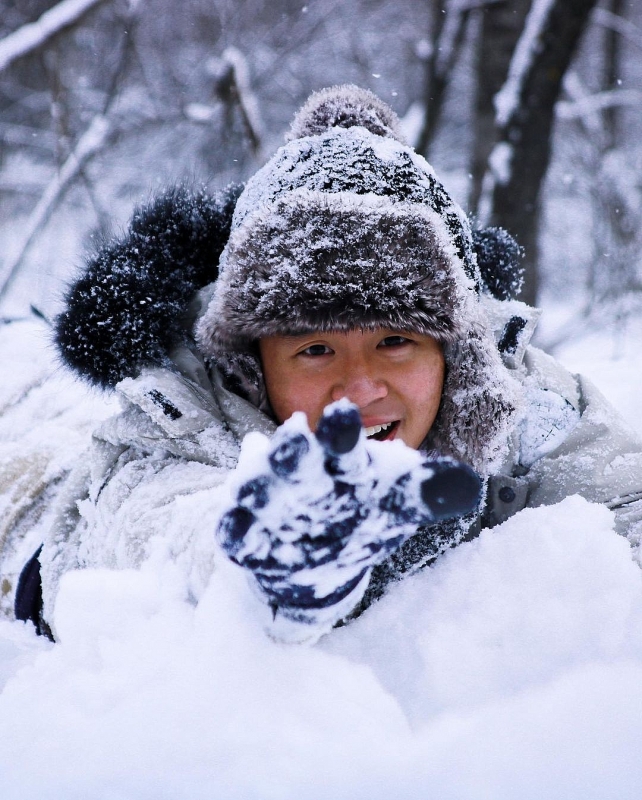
154	478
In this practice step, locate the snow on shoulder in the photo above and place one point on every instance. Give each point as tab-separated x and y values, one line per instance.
512	668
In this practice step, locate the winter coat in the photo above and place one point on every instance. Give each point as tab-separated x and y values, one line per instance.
154	479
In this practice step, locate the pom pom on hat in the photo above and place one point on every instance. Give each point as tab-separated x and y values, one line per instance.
345	107
499	260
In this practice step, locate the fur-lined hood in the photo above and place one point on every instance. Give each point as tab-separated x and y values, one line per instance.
413	262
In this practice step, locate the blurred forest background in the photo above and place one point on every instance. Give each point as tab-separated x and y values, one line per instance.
529	110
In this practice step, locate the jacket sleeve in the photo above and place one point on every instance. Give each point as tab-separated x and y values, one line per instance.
149	505
152	481
600	458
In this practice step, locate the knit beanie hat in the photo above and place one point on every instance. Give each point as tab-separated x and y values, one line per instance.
346	228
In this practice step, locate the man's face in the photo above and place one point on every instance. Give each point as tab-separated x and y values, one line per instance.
394	377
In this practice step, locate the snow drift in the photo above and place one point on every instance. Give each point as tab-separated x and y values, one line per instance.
512	668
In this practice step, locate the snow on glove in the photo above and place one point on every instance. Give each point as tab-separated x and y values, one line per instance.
313	513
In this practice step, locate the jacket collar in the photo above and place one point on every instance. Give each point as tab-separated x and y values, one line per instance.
513	324
184	402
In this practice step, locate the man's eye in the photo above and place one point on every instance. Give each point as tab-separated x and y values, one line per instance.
394	341
316	350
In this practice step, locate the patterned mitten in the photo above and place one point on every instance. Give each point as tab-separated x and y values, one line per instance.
314	512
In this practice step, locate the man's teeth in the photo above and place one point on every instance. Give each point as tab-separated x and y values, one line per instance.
377	428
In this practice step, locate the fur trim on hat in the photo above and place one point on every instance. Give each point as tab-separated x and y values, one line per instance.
336	262
479	402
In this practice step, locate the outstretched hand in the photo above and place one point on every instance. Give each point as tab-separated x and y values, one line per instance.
316	511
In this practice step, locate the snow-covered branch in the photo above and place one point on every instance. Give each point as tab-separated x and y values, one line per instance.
626	29
246	98
599	101
233	88
92	141
441	55
32	36
507	99
449	39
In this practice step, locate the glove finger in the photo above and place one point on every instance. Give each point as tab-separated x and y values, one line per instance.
255	493
451	490
232	529
339	428
288	453
340	433
437	490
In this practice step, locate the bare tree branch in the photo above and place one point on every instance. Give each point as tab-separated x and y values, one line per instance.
32	36
91	142
614	22
599	101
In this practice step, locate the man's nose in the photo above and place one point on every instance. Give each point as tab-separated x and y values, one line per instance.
360	385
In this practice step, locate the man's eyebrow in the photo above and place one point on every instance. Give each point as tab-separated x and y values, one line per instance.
294	336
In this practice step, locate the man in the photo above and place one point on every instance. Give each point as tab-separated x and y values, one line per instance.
349	316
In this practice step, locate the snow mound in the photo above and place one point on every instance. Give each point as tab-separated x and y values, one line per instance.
512	668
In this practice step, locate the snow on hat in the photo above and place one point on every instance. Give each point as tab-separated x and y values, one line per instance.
345	228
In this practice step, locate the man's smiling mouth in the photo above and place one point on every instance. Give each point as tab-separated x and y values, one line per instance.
382	432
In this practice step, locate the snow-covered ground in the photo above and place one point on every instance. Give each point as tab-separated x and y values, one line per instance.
511	669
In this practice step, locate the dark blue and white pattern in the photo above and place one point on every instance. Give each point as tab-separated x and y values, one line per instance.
320	510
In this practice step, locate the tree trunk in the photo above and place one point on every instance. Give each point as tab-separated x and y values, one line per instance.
448	30
525	116
501	26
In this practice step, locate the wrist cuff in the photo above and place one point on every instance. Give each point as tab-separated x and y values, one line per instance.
298	625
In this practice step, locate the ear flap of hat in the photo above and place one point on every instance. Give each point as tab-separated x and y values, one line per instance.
128	308
479	403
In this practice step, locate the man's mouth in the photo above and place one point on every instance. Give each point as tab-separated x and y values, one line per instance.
382	432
